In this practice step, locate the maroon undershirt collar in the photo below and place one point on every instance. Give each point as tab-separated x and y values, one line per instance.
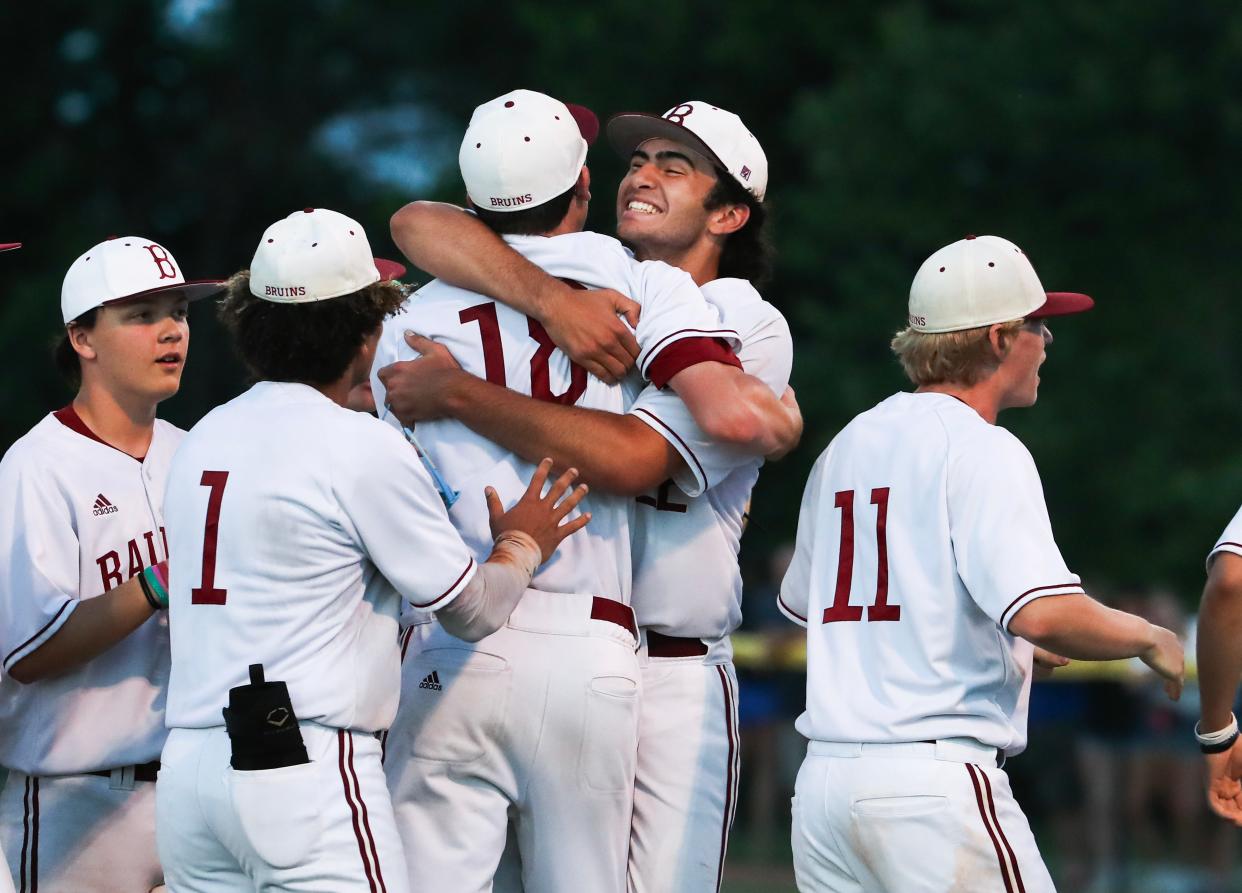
68	416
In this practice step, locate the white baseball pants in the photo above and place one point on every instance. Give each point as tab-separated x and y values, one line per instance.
919	818
79	833
321	827
537	722
685	788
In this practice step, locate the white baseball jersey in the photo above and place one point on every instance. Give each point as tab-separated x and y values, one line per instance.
1230	540
296	527
677	329
80	518
685	539
923	531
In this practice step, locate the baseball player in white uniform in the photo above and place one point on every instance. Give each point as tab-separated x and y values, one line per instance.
687	584
508	765
298	528
924	558
1220	668
82	544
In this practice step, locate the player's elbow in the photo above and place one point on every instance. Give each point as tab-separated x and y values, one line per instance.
409	225
733	422
1036	622
26	671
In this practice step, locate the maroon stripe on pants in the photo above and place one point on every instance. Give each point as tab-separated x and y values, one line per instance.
1013	860
1000	858
26	833
366	821
353	808
724	826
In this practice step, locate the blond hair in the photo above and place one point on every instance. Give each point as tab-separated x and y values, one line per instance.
964	357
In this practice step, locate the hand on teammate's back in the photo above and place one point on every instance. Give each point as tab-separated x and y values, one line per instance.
539	514
588	328
1168	659
417	389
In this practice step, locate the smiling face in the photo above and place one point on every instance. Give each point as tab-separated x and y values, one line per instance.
660	203
1021	365
136	348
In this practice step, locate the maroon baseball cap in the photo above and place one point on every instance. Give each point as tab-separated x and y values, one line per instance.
1062	303
9	246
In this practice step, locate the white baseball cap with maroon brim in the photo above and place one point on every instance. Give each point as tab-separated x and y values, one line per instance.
524	149
717	134
313	255
979	281
126	268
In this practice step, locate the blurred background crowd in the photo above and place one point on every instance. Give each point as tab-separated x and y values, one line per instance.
1101	137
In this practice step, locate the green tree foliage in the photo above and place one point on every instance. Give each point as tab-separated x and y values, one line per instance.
1101	137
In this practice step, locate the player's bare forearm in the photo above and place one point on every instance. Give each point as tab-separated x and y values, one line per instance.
457	247
737	408
94	626
1080	628
614	453
1220	630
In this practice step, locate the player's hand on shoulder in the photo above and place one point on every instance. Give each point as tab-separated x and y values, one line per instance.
418	389
587	326
541	515
1167	658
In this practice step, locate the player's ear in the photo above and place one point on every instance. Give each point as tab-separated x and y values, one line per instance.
582	188
80	340
1000	341
728	219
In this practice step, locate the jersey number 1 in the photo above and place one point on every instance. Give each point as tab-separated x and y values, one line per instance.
206	592
841	608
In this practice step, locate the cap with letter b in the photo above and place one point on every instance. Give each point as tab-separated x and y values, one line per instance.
126	268
979	281
313	255
711	131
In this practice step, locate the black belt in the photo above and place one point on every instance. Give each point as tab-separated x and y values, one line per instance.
660	645
142	772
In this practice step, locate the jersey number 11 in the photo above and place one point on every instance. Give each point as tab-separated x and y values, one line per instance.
841	608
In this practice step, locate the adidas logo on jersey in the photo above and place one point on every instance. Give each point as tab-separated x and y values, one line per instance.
432	681
102	506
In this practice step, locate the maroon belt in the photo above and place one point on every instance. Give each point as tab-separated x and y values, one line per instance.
614	612
660	645
142	772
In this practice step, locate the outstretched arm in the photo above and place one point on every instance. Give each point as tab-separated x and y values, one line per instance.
615	453
457	247
1079	627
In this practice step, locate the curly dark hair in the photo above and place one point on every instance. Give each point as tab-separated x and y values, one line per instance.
65	357
312	343
747	253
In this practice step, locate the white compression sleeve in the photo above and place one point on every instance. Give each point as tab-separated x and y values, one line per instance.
495	589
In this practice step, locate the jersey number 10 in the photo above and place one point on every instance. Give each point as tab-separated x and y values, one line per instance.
494	356
841	608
